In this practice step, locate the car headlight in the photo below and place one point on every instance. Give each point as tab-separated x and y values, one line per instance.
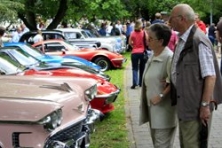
52	120
91	92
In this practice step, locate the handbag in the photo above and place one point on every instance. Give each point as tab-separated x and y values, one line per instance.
145	53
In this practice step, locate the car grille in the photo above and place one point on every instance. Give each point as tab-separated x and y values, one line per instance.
67	133
15	138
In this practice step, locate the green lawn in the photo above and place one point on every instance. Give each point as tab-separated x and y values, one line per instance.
112	132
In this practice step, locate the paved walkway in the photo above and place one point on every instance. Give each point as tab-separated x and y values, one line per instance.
140	135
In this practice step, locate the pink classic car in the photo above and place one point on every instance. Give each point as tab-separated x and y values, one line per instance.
46	112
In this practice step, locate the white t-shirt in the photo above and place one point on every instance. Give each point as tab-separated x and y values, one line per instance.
37	38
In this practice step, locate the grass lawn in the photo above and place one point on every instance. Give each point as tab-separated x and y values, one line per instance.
112	132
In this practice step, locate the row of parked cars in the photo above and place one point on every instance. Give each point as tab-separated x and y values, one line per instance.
53	92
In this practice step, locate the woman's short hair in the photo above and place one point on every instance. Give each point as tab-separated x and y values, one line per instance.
138	25
162	31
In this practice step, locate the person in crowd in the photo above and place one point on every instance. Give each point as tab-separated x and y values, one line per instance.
109	28
102	30
114	31
129	29
200	23
38	37
136	41
17	34
173	38
24	28
155	105
211	33
41	25
219	38
119	26
195	78
2	32
158	18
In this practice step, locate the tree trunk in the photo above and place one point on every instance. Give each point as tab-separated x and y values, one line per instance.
63	6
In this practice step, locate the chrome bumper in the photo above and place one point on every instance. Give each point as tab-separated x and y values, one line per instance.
93	116
110	98
82	140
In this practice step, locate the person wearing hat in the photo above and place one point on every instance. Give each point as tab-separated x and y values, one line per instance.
136	41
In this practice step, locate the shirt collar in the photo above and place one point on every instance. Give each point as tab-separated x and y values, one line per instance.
185	35
159	58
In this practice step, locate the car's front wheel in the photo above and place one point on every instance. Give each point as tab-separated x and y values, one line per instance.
103	62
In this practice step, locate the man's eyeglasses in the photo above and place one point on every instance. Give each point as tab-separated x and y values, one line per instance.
175	17
152	39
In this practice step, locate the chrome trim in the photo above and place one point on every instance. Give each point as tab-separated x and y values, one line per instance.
93	116
110	95
71	143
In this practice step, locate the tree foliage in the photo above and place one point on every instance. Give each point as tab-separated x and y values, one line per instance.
29	11
8	9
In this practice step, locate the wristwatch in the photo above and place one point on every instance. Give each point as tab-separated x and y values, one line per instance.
161	95
204	103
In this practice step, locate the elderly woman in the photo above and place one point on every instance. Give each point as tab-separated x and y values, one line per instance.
155	106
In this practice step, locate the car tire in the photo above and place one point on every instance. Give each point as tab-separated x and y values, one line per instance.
103	62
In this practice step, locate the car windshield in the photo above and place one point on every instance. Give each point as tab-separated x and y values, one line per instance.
8	65
71	46
32	51
85	34
23	57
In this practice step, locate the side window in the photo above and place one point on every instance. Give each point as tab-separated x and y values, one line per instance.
53	47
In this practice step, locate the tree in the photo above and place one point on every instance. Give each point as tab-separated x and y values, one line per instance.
9	10
44	9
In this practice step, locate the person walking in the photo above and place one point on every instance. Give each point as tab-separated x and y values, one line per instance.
195	79
155	105
136	41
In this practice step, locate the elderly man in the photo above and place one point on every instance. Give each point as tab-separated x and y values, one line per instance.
196	80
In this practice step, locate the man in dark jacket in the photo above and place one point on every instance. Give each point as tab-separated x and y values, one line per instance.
195	76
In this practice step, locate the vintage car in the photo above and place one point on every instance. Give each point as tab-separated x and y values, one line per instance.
72	61
107	92
109	44
75	61
94	34
56	34
44	112
105	59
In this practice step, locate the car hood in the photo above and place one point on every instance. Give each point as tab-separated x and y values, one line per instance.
67	59
29	100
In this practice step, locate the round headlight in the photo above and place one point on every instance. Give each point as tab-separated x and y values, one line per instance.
53	120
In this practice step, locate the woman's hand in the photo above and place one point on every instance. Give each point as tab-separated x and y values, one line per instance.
155	100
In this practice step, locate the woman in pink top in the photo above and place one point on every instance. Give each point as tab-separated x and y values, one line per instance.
173	38
136	41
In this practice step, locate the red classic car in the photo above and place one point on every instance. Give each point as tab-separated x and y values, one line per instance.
105	59
106	91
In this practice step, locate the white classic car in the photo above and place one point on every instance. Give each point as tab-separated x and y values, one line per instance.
111	43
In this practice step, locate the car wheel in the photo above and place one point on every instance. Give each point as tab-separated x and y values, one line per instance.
103	62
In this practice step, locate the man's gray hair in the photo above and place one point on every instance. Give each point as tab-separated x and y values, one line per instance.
187	12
